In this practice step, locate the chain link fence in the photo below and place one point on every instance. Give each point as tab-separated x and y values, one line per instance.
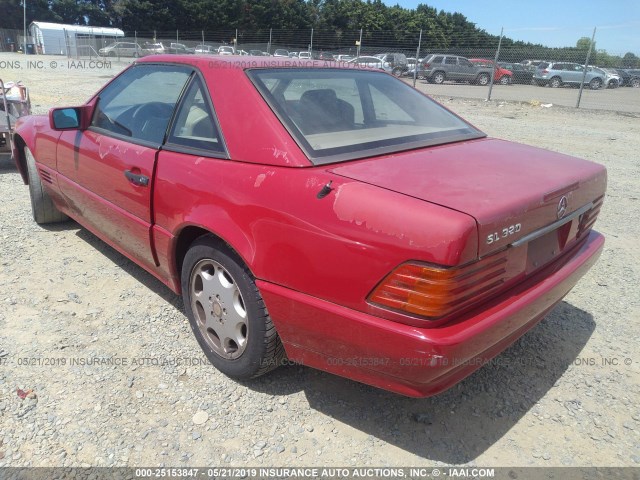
511	67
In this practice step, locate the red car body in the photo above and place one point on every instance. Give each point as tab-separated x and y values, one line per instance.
501	75
486	212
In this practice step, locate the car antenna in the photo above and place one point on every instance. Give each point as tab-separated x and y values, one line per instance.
325	190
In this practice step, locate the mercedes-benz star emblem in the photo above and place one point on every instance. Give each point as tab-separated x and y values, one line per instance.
562	207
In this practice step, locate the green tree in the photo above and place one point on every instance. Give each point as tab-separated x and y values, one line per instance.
630	60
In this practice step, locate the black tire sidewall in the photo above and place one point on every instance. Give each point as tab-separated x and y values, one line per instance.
250	362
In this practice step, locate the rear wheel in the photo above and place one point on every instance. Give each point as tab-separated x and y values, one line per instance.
483	79
42	207
595	83
505	80
635	82
227	313
396	72
438	77
555	82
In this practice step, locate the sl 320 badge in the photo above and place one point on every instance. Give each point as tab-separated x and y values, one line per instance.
506	232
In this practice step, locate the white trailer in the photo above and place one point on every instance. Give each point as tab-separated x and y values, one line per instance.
71	40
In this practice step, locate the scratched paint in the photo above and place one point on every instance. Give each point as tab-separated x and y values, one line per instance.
353	203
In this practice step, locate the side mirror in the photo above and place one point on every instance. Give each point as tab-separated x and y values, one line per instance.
65	118
72	118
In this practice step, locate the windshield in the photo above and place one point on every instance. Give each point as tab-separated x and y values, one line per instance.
342	114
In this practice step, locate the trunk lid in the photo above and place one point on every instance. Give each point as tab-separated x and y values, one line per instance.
510	189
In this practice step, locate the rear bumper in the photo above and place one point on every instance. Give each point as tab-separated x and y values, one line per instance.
413	361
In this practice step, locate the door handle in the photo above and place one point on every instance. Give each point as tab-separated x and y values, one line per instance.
136	178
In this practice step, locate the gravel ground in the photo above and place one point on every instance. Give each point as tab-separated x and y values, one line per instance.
112	376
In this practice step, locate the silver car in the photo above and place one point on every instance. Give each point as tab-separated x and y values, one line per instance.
557	74
121	49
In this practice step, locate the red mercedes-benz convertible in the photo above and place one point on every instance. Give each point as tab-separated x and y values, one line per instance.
331	215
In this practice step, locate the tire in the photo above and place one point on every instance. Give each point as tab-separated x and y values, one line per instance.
505	80
42	207
483	79
396	72
226	312
595	83
635	82
555	82
438	78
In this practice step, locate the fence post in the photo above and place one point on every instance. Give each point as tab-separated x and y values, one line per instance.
586	63
202	31
311	44
269	45
359	44
415	68
495	65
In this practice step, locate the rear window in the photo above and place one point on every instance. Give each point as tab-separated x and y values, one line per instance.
339	114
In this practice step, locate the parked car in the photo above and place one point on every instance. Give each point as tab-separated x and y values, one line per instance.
612	79
256	53
152	48
329	57
383	228
395	63
519	73
557	74
344	58
368	62
501	75
281	52
206	50
634	78
293	54
304	55
226	50
121	49
179	49
438	68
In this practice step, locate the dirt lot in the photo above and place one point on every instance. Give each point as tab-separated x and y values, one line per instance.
567	394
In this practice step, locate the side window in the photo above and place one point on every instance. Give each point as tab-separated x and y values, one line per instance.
139	103
437	59
450	61
195	125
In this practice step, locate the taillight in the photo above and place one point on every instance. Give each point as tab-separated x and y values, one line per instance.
426	65
544	72
434	292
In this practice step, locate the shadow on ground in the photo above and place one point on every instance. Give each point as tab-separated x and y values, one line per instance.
454	427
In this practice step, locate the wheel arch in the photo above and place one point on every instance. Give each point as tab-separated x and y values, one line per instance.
20	160
190	233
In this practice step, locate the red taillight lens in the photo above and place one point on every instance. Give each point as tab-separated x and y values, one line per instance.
426	65
434	292
544	72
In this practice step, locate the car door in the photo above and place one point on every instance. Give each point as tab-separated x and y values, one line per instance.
466	69
451	68
106	171
571	73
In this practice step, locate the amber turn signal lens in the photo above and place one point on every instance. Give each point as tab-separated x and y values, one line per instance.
433	292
